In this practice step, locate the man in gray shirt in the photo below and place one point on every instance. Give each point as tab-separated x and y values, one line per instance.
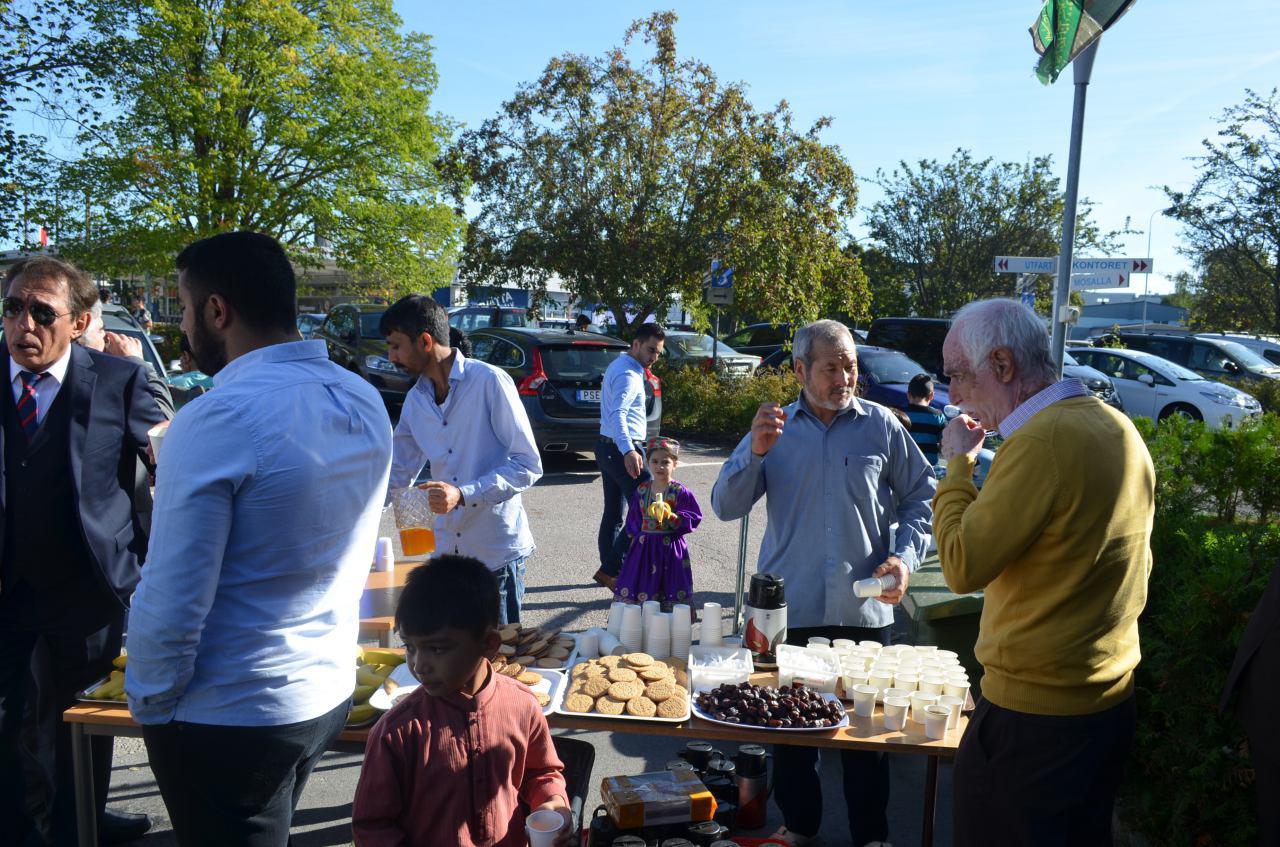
839	472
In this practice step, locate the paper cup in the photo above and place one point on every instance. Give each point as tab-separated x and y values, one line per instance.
711	634
819	641
906	680
156	435
882	681
952	688
956	705
935	721
864	700
608	643
895	713
920	702
543	828
589	644
384	556
843	643
871	645
615	617
932	683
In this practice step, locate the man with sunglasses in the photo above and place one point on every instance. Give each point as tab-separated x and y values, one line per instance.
74	424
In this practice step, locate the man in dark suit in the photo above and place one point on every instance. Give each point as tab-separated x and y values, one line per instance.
74	424
1256	675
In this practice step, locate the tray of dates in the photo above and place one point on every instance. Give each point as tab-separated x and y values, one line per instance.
791	709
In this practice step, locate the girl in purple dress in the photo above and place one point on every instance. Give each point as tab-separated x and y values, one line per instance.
662	513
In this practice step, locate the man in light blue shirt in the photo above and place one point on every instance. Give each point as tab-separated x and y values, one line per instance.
838	473
464	417
268	499
619	450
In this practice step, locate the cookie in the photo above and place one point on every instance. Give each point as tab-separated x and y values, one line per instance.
538	647
544	700
508	638
566	643
549	663
596	686
638	660
659	691
587	669
523	660
578	703
621	675
609	706
512	670
673	707
656	674
641	707
625	690
682	678
506	650
609	661
558	653
529	678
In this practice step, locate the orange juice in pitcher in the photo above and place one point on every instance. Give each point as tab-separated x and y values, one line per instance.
418	540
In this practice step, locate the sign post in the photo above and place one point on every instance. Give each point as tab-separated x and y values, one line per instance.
719	285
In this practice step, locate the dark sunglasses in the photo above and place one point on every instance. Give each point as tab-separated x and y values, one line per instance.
40	313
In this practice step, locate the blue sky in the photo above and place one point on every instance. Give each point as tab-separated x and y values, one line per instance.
915	79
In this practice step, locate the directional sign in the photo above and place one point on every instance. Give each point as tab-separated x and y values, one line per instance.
1090	266
720	296
1029	299
1026	264
1112	280
723	280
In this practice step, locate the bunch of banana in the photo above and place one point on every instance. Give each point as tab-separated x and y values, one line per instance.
111	689
372	669
660	510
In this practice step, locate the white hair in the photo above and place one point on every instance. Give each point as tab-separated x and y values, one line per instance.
829	333
96	310
983	325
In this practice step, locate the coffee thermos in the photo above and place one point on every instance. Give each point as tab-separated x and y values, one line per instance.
753	786
766	619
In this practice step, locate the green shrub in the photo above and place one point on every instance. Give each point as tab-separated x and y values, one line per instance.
170	345
1214	538
719	407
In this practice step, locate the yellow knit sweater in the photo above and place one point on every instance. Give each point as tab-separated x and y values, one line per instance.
1060	539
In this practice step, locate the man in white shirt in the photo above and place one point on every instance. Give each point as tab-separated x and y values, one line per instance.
464	417
268	498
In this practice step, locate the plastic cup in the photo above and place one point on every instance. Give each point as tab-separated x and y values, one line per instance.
819	641
864	700
956	705
871	645
932	683
543	828
843	643
935	721
919	702
615	617
589	644
711	633
384	556
895	713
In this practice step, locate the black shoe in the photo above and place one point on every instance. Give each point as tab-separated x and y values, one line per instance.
122	827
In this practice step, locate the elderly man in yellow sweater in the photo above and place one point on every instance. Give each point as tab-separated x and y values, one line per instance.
1059	539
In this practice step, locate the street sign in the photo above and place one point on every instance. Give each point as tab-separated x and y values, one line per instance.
718	296
1026	264
1089	266
1116	279
723	280
1029	299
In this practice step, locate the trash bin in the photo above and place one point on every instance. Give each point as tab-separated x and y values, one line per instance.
939	616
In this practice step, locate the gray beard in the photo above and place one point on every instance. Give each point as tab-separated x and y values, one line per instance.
829	405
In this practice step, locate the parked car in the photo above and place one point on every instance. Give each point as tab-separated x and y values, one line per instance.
1215	358
117	319
468	318
1266	346
350	332
693	349
1157	388
1095	380
309	322
558	375
883	375
765	339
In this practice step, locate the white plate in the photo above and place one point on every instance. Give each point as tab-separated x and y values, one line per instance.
558	704
572	658
553	684
829	697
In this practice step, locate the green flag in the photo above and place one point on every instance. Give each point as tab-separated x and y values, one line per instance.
1065	27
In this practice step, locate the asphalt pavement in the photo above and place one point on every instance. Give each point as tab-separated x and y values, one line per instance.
564	511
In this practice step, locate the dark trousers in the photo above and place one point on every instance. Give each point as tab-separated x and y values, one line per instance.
796	770
236	785
81	629
1259	690
618	488
1039	780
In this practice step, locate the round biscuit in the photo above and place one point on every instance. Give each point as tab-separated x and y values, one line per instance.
529	678
506	650
511	669
578	703
522	660
557	653
596	686
625	690
638	660
659	691
641	707
656	674
609	661
673	708
621	675
544	700
549	663
608	706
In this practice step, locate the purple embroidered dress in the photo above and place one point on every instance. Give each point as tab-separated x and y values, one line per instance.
656	566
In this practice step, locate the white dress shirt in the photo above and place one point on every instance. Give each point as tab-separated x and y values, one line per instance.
47	388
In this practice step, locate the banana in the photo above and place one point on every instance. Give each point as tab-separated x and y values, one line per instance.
361	713
369	675
119	661
112	689
102	692
383	657
359	654
362	693
384	671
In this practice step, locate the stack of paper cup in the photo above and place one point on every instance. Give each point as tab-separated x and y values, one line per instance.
712	632
681	631
615	619
651	608
610	645
589	643
384	558
657	637
632	633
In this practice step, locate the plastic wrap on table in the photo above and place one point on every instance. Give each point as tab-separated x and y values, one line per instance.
657	798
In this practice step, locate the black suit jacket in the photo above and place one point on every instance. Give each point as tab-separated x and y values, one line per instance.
1263	626
111	411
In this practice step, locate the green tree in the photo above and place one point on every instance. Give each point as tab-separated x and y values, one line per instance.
943	223
1230	223
306	119
625	180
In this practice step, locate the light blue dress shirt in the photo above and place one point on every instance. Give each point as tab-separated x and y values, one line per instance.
833	493
480	440
622	417
268	496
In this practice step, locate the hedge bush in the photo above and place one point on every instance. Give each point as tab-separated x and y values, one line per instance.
1214	540
171	340
719	407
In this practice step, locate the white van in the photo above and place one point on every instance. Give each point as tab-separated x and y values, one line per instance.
1266	346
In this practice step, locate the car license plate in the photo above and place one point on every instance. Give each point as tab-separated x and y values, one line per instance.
592	396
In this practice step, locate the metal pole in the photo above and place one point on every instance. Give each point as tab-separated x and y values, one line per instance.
715	337
738	613
1082	68
1146	285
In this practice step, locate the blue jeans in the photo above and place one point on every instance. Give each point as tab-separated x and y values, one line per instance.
511	590
797	780
618	488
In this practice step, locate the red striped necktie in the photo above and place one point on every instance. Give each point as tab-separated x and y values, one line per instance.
28	404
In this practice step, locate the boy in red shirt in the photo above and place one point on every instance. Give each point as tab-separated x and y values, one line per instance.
464	758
